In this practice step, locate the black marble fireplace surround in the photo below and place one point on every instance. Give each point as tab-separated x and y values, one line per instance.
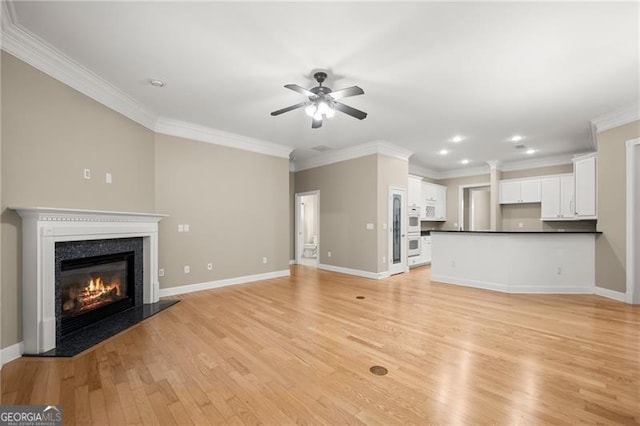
83	250
74	342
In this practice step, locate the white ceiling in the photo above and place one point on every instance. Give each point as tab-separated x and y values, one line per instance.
430	71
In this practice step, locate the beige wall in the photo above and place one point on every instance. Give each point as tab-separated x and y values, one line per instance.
292	216
453	188
481	200
0	215
235	203
611	245
348	201
50	133
391	172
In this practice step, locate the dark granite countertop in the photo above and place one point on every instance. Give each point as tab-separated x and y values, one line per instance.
518	232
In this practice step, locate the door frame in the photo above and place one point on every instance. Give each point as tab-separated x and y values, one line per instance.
461	189
633	230
298	244
403	230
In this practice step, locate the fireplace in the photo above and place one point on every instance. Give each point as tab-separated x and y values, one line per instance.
94	288
96	279
51	236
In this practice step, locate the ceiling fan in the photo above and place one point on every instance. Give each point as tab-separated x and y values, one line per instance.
323	102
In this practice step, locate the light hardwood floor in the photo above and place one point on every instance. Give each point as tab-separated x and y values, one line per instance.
298	350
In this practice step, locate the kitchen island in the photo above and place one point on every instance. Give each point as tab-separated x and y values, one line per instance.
515	262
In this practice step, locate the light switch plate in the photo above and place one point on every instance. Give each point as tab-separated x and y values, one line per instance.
187	269
108	178
369	226
87	173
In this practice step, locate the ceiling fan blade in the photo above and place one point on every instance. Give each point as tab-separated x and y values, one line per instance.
349	91
316	123
289	108
299	89
355	113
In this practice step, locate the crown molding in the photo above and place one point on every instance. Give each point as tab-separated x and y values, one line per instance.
494	164
357	151
616	118
471	171
421	171
196	132
29	48
535	163
483	170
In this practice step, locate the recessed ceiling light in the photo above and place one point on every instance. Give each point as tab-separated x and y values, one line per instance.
465	161
531	151
457	139
443	152
157	83
516	138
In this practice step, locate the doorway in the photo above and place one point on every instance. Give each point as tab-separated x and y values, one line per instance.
475	207
633	227
397	231
308	228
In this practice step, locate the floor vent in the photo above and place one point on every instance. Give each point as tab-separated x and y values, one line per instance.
378	370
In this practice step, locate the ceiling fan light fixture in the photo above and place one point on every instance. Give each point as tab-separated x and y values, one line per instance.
311	110
323	102
330	113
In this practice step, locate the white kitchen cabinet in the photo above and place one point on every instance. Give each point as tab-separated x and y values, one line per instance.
425	249
585	172
415	191
434	202
557	194
520	191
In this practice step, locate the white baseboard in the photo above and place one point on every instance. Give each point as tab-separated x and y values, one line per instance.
470	283
10	353
514	289
172	291
611	294
356	272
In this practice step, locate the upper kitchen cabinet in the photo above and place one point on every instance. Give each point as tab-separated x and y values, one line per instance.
515	191
558	197
434	202
585	171
415	191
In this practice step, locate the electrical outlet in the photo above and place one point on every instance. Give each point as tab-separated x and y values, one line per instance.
161	272
520	225
187	269
369	226
87	173
559	270
264	260
186	227
328	254
384	226
384	259
180	228
210	266
108	178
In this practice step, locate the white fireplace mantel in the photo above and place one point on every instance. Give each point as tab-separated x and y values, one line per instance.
42	228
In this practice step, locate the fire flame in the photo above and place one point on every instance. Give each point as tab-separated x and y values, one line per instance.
97	288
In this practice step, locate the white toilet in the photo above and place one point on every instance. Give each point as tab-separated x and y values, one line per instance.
311	249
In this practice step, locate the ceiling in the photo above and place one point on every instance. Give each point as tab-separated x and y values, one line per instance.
430	71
